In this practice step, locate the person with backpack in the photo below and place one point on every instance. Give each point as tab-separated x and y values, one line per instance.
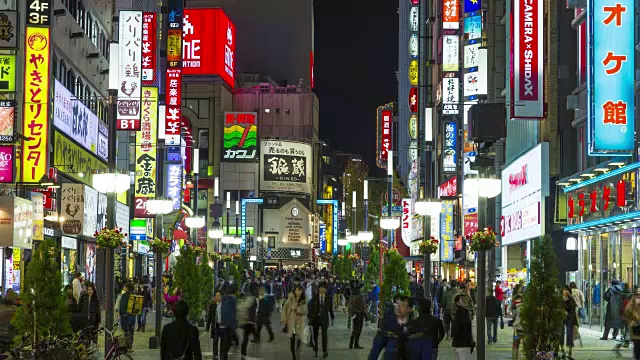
127	317
179	338
247	310
144	290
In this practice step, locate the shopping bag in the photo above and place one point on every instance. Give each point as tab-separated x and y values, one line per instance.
306	335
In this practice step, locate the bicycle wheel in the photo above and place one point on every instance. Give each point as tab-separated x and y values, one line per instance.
121	357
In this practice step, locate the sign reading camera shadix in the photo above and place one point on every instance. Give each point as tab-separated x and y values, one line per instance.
286	166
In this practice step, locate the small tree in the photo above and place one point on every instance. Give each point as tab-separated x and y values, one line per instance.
395	275
541	312
207	277
373	267
42	301
189	279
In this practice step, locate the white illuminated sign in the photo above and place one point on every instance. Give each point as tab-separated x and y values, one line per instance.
450	52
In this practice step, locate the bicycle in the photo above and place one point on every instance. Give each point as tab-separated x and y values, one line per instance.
119	345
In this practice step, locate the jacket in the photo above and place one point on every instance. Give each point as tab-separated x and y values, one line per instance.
293	315
90	309
265	309
180	338
499	293
393	339
493	309
228	312
247	309
147	300
429	326
578	297
321	314
357	306
461	328
124	302
632	315
374	294
570	308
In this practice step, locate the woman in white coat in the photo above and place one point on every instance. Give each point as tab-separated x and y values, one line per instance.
293	315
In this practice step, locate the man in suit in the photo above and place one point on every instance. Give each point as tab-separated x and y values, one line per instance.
320	313
393	335
221	319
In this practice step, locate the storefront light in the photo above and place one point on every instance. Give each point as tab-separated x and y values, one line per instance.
111	181
160	205
389	222
572	244
195	222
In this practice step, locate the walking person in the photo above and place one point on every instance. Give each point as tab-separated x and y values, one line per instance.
613	318
320	317
247	310
266	305
179	338
127	320
578	297
499	294
632	315
461	329
425	333
77	287
449	307
393	336
91	311
493	311
292	318
374	300
221	320
144	290
518	326
358	313
570	318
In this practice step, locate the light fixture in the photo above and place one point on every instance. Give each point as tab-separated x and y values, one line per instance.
616	163
160	205
365	192
572	244
575	179
365	236
489	187
343	242
46	181
111	181
390	222
195	222
601	169
589	175
81	174
216	231
353	239
563	184
428	207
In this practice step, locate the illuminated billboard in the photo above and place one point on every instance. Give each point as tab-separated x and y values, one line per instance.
129	70
240	137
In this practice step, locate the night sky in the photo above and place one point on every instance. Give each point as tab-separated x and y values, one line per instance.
356	57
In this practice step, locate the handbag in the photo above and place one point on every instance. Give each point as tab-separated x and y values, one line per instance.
582	313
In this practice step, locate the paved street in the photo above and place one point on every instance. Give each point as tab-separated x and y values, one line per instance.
593	348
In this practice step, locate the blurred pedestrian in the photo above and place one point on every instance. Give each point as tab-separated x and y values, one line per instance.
493	312
266	305
357	313
613	317
180	339
632	315
320	317
144	290
221	320
425	333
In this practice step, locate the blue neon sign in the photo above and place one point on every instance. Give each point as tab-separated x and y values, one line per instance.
334	222
323	238
243	220
610	77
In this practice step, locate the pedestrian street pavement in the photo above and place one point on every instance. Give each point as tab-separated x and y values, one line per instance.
593	348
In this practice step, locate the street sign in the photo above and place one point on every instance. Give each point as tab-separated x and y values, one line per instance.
397	198
396	211
138	229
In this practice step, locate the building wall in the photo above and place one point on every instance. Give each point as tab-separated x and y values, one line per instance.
261	27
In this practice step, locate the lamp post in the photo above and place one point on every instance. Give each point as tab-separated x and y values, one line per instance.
158	206
216	232
228	212
390	197
353	215
427	208
238	217
196	170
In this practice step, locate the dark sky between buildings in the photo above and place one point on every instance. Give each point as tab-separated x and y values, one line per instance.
356	57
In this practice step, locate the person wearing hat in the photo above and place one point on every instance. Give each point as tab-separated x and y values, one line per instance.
320	312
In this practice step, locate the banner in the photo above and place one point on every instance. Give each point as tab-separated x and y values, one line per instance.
446	231
146	141
406	221
72	198
173	84
35	124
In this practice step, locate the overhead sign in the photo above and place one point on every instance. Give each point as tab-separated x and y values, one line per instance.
7	69
8	29
450	151
149	44
611	80
286	166
450	14
66	152
528	60
75	120
35	123
525	184
7	120
129	70
240	137
209	44
450	51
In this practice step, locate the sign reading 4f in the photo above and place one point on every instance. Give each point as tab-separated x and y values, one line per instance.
39	12
610	86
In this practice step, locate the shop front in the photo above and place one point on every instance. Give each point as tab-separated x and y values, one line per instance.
16	225
603	218
290	229
525	185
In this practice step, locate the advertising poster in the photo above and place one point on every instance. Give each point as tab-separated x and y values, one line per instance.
7	70
36	106
240	137
286	166
101	221
130	67
74	119
450	51
450	14
447	241
69	153
473	27
149	40
90	223
90	263
611	83
38	215
72	198
7	120
450	151
7	164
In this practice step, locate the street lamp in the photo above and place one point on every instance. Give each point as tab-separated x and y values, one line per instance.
195	222
216	232
159	206
365	236
390	201
485	187
390	223
426	207
111	181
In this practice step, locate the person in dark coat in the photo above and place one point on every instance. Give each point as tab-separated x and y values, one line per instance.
221	320
266	304
90	309
180	339
493	312
425	333
321	315
570	318
461	330
393	336
613	314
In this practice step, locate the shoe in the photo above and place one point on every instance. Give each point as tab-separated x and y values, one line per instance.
272	340
357	346
315	353
603	338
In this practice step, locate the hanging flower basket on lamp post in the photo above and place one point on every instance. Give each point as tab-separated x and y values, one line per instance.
354	257
483	240
429	246
160	246
109	238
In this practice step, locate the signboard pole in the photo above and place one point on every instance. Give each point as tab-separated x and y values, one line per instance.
111	216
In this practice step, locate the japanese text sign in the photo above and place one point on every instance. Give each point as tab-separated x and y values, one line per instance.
528	59
471	56
413	99
450	95
240	137
470	223
129	68
450	51
7	72
7	164
39	12
69	153
286	166
446	231
8	29
146	139
385	119
414	19
209	44
7	120
173	106
450	14
450	151
406	221
149	44
72	198
449	187
36	105
473	27
174	184
610	83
